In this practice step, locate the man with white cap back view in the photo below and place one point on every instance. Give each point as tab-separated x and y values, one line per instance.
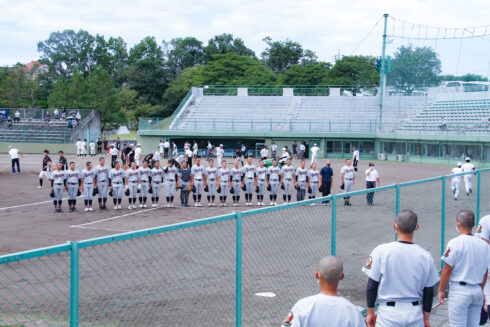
315	150
468	179
326	308
456	180
137	155
220	152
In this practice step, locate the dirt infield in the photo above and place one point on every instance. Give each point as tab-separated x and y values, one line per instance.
27	220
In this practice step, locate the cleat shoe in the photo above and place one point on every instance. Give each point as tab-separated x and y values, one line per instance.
130	207
172	205
141	205
271	204
196	205
213	204
86	209
168	205
224	204
209	204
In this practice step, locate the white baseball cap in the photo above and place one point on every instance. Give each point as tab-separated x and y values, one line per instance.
467	158
314	144
458	164
221	145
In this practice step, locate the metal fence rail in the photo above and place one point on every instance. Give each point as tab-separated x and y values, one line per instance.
216	271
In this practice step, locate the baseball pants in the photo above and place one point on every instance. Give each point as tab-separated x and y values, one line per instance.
102	188
314	189
157	186
117	191
72	191
403	314
468	180
88	191
58	191
455	186
220	159
249	185
288	186
113	161
465	303
262	185
224	189
314	159
144	186
170	188
198	183
370	195
274	186
184	193
133	189
211	187
300	194
237	185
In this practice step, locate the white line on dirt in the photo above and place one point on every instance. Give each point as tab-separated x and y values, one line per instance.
115	217
107	229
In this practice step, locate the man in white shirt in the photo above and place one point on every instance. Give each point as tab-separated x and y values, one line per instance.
456	180
161	147
137	155
466	263
315	150
468	178
209	148
274	150
372	178
264	153
326	308
220	152
347	178
483	232
78	144
14	157
355	157
166	149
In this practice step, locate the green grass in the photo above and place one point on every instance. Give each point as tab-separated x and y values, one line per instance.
130	136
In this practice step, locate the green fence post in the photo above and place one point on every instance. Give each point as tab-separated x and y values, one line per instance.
310	126
397	199
333	244
443	218
232	124
270	126
74	271
238	270
251	124
478	197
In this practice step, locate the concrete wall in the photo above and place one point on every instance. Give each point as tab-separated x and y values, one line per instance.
39	147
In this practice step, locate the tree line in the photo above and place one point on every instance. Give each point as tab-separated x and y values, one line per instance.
151	78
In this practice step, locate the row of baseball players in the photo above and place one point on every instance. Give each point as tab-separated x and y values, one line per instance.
402	277
468	178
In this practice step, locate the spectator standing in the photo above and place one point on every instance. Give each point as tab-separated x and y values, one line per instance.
274	150
17	116
47	117
302	149
106	148
78	117
326	182
372	178
166	148
264	153
56	113
99	146
315	151
295	150
14	154
118	144
326	308
355	157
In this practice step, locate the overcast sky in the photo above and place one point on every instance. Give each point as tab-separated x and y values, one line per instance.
327	27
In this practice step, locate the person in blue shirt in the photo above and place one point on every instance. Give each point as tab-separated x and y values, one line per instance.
326	181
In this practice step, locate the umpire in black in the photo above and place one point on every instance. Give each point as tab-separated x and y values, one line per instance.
326	181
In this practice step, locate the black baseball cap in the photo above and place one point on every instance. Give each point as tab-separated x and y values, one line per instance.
371	164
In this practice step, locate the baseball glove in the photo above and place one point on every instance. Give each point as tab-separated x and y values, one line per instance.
219	189
232	190
193	189
321	189
206	189
257	190
189	188
244	188
79	193
342	186
483	317
282	187
296	187
269	188
310	190
95	192
51	194
127	192
110	192
150	190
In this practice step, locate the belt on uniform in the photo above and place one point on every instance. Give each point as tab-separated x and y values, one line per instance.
262	180
88	183
274	180
58	183
144	181
393	303
156	182
73	183
250	178
170	180
116	183
102	181
348	179
198	179
133	182
211	180
288	179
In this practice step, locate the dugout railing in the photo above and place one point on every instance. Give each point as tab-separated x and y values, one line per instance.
243	269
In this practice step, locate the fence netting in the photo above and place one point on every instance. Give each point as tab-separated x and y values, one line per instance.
179	278
36	292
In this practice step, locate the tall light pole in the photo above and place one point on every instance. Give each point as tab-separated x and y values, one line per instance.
382	76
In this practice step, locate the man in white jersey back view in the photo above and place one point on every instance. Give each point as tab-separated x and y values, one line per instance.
326	308
468	178
402	276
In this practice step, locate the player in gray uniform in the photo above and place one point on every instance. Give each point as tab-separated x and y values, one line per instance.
171	178
347	178
210	181
144	173
73	183
249	181
185	177
58	184
236	182
132	180
102	174
88	185
156	182
273	177
313	180
287	174
116	184
197	181
224	182
261	173
301	175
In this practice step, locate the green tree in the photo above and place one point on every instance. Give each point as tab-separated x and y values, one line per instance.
179	87
16	88
226	43
353	71
68	50
112	57
414	68
464	78
134	107
183	53
279	56
307	74
147	73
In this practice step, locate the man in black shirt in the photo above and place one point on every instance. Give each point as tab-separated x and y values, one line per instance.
44	170
118	144
106	148
99	146
295	150
326	181
124	152
130	154
62	161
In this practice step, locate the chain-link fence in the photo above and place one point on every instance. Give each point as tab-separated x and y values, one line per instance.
242	269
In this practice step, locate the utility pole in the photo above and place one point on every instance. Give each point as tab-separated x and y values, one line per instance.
382	75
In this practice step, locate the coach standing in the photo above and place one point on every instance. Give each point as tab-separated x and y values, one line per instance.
465	268
326	181
14	156
372	178
355	157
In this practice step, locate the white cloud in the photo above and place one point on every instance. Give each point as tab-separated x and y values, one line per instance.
324	26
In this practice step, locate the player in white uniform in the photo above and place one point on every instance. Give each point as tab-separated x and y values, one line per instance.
116	184
301	176
355	157
209	147
326	308
315	151
102	174
249	181
273	177
144	173
236	182
402	276
466	261
468	178
456	180
160	147
195	149
46	169
156	183
92	148
73	182
171	181
347	178
113	152
137	155
224	182
78	144
264	153
58	184
132	176
175	151
313	180
220	152
88	185
483	232
287	174
84	148
197	172
261	173
166	149
210	182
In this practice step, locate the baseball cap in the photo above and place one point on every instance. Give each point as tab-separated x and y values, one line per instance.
221	145
459	164
467	158
139	144
371	164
